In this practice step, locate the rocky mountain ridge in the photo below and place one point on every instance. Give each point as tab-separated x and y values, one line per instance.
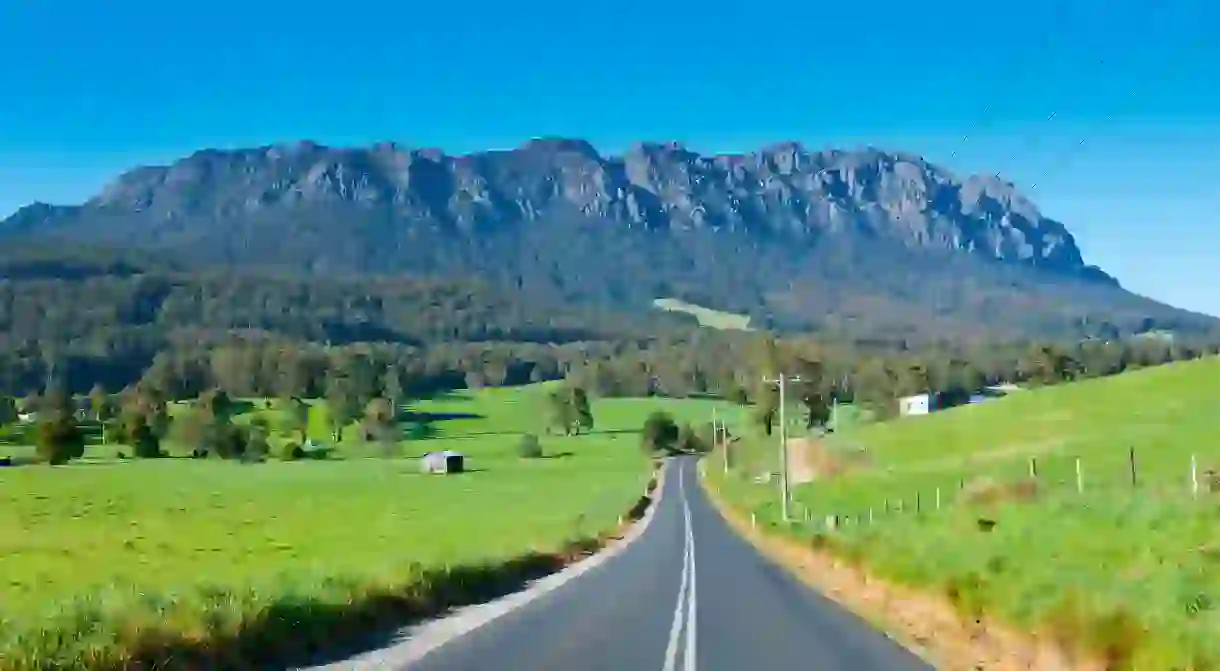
782	190
791	236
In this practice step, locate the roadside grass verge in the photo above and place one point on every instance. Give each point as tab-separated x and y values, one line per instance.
186	564
1123	573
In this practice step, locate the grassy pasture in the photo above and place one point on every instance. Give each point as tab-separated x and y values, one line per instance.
724	321
99	549
1131	572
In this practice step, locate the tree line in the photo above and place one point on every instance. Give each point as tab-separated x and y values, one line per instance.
368	384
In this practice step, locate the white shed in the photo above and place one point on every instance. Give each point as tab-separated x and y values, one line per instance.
443	462
919	404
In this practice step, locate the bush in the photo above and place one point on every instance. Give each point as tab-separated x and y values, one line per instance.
257	447
660	432
529	447
689	441
59	440
292	451
143	439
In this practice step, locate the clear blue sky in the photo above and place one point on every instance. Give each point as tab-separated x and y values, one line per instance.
1130	160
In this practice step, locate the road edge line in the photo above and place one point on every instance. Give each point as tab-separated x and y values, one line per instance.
426	637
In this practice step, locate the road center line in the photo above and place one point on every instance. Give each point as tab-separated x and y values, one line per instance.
690	648
675	630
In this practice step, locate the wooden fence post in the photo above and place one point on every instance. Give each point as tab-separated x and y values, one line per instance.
1131	460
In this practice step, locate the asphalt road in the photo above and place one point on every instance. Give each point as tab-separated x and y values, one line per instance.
687	594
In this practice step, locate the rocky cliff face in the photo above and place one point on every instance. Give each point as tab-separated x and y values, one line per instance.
861	242
783	191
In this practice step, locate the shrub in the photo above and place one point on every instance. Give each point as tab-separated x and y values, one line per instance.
143	439
226	441
292	451
660	432
529	447
59	440
257	448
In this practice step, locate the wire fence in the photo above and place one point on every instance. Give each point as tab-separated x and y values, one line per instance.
845	491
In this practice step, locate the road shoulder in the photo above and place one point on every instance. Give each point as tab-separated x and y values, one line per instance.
925	624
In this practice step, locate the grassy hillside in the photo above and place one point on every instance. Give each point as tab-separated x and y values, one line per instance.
725	321
1125	570
94	551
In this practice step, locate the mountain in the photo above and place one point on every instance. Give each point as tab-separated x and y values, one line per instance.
867	242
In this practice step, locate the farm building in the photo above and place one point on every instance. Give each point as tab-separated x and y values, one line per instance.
922	404
919	404
443	462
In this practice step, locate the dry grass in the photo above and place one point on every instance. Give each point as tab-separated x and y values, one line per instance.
941	630
987	491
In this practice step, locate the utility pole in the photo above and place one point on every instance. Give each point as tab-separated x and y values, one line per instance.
720	433
782	380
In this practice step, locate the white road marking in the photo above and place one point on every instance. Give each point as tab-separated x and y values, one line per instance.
691	622
684	609
675	630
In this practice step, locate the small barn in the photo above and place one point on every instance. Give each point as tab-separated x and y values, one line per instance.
919	404
443	462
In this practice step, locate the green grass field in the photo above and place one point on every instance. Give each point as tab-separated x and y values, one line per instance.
1127	571
99	545
724	321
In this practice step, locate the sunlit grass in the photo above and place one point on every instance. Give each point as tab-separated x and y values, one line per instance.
93	552
1129	572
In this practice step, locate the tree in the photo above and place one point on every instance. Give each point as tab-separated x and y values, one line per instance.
738	395
102	407
495	371
379	424
379	411
342	402
8	410
140	435
582	413
561	413
688	441
814	391
58	438
660	433
99	403
766	406
392	387
569	409
294	417
257	446
216	402
475	380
